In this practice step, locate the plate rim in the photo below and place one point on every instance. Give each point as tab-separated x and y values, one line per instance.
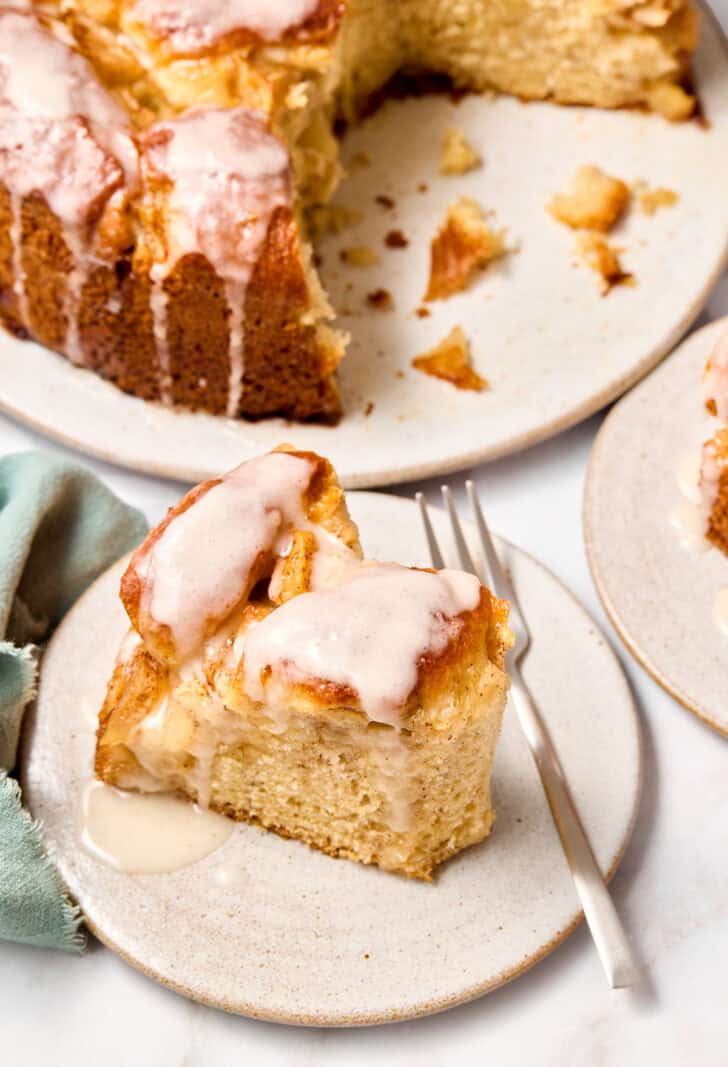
423	1009
631	643
424	469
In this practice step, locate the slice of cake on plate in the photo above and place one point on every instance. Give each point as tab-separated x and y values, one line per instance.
276	676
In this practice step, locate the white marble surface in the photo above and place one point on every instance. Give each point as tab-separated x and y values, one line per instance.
671	888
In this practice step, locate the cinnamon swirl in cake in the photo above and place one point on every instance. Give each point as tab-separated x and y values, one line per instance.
274	675
158	159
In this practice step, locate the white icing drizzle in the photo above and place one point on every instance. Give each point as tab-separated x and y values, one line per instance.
368	633
16	234
689	521
715	382
158	301
147	834
698	476
713	463
226	175
64	136
688	474
193	27
203	564
689	517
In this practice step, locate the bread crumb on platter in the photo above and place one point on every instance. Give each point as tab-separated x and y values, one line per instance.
594	201
359	256
396	239
650	200
458	156
450	361
381	299
331	218
464	244
596	252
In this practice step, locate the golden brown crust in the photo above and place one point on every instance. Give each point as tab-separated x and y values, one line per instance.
486	625
289	365
288	368
135	688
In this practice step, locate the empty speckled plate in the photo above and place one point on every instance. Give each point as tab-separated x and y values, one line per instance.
291	935
660	594
553	349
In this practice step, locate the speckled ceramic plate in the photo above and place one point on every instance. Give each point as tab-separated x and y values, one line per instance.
552	348
297	937
660	595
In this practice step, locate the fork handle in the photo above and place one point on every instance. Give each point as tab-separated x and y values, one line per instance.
604	923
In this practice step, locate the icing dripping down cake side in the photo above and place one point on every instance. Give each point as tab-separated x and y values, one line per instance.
134	133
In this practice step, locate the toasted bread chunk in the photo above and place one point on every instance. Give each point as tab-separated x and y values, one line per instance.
463	245
595	201
450	360
458	155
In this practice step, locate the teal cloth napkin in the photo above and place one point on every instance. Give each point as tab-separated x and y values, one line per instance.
60	527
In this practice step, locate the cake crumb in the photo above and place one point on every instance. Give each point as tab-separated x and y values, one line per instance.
331	218
595	201
381	299
396	239
450	361
464	244
399	374
651	200
359	161
385	201
458	156
603	258
359	256
423	313
671	101
422	187
368	409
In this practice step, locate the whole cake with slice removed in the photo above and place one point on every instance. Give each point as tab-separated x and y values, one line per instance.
274	675
158	159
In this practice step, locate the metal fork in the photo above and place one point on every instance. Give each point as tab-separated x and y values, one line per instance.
606	929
